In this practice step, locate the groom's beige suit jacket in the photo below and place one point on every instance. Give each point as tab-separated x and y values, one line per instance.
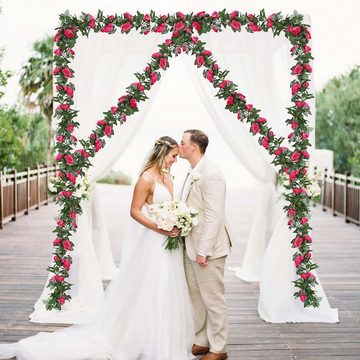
206	193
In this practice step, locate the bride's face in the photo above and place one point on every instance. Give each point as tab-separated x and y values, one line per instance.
171	157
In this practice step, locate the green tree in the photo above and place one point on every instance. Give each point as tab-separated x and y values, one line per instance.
338	120
36	81
4	75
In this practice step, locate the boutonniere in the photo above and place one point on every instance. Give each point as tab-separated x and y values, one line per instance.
195	177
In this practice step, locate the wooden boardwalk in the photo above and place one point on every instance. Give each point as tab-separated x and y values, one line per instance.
25	248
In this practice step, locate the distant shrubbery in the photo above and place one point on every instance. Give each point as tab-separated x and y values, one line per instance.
116	178
338	121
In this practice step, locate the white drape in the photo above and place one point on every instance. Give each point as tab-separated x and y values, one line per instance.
102	72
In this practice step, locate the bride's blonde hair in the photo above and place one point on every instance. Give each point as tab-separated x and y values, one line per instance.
162	147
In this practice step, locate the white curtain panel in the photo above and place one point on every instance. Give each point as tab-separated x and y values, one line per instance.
104	66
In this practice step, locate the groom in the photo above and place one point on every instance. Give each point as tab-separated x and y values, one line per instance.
206	247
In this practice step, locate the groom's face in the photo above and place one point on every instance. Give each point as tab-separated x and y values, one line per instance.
186	147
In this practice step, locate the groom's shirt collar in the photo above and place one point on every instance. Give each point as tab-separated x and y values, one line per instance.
191	170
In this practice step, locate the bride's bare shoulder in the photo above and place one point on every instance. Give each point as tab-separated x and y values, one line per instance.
145	180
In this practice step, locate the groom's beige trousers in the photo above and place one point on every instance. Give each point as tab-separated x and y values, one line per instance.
206	289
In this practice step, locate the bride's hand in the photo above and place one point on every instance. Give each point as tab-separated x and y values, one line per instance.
172	233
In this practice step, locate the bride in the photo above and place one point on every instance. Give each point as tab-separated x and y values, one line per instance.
147	311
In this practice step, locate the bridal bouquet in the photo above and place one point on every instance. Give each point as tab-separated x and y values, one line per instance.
175	213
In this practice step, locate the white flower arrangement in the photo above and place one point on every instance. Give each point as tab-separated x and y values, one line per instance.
174	213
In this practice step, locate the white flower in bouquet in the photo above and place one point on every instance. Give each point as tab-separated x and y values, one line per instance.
175	213
52	185
83	187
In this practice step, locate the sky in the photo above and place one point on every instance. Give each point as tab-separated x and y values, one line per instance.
335	29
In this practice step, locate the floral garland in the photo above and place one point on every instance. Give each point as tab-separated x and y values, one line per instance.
73	159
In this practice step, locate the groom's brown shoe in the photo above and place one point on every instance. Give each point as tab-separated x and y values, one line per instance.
199	350
213	356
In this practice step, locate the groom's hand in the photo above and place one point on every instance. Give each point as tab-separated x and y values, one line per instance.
201	260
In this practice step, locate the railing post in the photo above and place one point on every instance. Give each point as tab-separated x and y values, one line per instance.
333	194
345	197
28	194
47	184
1	201
15	196
38	186
323	189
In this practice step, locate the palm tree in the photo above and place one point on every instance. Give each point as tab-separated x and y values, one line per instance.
36	82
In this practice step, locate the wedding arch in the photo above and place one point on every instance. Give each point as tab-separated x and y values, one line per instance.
74	160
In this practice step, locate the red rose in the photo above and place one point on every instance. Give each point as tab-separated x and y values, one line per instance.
270	21
295	156
255	128
133	103
215	15
239	115
289	222
223	84
230	100
71	177
200	61
305	154
60	138
160	28
128	16
303	297
278	151
295	88
69	33
57	70
298	260
56	258
178	26
57	241
304	220
309	255
59	157
180	15
108	28
153	78
295	30
294	125
235	25
301	104
291	212
69	159
168	42
91	21
126	27
293	175
194	39
122	98
196	25
102	122
298	191
98	145
298	241
308	67
265	142
297	69
210	75
261	120
307	34
254	27
66	263
304	136
59	278
72	215
84	153
69	90
66	245
67	72
207	53
61	300
248	107
60	223
57	52
57	37
308	238
163	63
140	86
307	275
307	48
234	14
108	130
215	66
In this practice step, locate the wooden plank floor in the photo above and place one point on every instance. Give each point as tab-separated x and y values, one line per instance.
25	248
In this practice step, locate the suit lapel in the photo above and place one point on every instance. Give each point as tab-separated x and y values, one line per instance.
198	169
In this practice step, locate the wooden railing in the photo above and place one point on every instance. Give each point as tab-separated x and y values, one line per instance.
23	191
341	194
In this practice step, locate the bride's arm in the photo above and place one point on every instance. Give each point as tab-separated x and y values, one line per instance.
142	190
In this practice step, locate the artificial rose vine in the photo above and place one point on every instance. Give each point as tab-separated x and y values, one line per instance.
73	159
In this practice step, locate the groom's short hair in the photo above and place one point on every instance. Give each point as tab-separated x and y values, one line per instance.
199	138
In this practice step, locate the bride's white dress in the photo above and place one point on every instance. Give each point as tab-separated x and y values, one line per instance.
147	313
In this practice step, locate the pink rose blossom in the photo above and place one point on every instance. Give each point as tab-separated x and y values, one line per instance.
133	103
200	61
69	159
298	260
108	130
304	220
71	177
163	63
153	78
66	245
67	72
308	238
235	25
292	212
230	100
61	300
295	156
294	30
255	128
248	107
209	75
297	69
303	297
57	241
298	241
254	27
